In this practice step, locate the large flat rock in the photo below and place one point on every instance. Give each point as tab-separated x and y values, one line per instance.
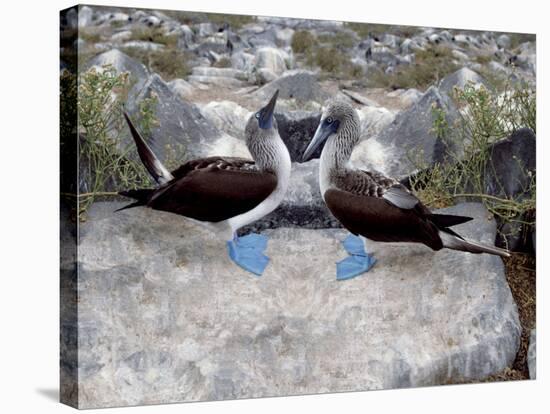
164	316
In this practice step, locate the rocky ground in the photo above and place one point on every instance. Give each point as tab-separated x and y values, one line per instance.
208	74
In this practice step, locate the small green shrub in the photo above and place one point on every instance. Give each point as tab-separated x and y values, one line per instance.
486	117
101	94
334	63
302	41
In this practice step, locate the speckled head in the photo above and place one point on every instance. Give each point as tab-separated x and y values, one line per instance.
262	136
339	119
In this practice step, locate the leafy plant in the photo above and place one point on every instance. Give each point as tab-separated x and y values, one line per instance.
103	161
302	41
486	118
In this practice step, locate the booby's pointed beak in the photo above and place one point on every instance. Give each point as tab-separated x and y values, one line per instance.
322	133
266	113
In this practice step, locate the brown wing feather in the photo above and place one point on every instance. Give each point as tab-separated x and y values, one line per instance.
379	220
214	189
223	163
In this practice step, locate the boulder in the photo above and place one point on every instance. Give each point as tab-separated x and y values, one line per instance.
374	120
271	59
406	96
186	324
121	62
409	142
181	87
508	174
283	37
504	41
460	79
242	61
302	206
296	129
85	16
226	77
183	132
123	36
227	116
298	84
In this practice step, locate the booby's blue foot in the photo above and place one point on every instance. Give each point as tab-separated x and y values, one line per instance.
357	262
247	252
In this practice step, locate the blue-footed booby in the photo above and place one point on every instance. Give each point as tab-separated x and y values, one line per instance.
224	193
371	205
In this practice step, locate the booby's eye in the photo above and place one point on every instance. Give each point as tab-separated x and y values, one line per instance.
257	115
328	120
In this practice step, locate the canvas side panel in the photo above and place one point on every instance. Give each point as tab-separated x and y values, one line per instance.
68	207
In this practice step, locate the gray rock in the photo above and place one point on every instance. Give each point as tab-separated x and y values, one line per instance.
272	59
296	129
164	316
498	68
183	132
219	73
182	88
216	44
121	62
532	355
301	85
227	77
374	120
508	173
504	41
410	137
460	55
462	39
227	116
222	81
144	45
205	29
242	61
122	36
356	97
407	96
460	79
85	16
302	206
283	37
264	76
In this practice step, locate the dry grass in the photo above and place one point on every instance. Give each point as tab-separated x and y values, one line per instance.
429	67
169	63
302	41
365	30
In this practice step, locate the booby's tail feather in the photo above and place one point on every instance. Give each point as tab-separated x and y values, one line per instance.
447	220
453	241
141	195
149	159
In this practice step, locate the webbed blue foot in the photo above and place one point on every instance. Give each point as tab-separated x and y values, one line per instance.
357	262
247	252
